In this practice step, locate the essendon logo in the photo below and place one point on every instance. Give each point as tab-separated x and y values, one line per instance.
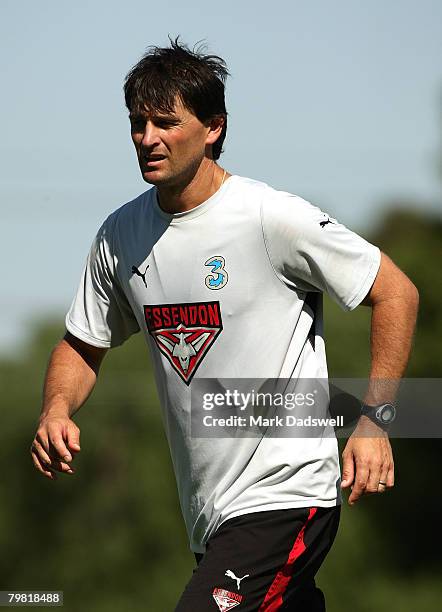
184	332
226	600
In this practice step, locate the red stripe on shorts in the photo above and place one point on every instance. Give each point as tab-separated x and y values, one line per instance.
273	598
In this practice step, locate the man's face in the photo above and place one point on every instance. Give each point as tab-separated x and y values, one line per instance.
170	147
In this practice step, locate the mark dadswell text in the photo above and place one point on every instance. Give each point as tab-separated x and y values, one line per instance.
288	420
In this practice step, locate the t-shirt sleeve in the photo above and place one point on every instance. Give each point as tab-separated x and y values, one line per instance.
100	313
311	251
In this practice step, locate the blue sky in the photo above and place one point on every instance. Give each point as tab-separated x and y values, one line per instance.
338	102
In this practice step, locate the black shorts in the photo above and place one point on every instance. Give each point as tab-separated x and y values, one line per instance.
263	561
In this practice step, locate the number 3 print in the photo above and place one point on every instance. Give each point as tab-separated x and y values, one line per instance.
218	278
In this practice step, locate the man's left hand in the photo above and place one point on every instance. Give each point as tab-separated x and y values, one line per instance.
367	461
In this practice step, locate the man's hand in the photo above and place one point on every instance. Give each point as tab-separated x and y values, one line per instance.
70	378
55	444
367	461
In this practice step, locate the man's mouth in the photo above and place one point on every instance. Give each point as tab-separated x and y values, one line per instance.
154	158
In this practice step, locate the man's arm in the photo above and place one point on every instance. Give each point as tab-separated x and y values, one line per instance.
71	375
394	301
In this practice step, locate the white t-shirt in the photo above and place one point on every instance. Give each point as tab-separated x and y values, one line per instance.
230	289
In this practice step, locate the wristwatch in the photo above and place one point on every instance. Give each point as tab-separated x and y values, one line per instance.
381	415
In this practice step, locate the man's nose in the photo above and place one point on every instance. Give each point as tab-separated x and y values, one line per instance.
150	136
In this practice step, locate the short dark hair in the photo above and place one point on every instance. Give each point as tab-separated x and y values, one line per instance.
163	73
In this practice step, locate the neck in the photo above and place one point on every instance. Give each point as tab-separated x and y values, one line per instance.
202	185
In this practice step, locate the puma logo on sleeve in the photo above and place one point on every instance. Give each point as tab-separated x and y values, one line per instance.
324	223
142	275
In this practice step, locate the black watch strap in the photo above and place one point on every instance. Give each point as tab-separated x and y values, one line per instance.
382	415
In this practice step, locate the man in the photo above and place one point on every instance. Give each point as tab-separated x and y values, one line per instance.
224	276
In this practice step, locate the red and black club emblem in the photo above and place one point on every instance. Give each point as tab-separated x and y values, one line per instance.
184	333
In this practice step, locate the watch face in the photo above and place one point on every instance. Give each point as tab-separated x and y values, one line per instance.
386	413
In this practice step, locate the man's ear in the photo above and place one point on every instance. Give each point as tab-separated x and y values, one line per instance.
215	126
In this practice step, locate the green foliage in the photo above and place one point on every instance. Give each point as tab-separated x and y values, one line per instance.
414	242
111	536
388	548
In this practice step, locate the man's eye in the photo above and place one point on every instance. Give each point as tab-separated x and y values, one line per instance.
165	124
137	125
